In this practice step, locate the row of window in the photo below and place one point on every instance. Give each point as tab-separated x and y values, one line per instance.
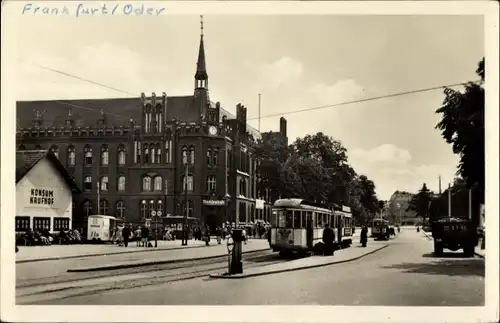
300	219
151	153
23	223
104	183
88	208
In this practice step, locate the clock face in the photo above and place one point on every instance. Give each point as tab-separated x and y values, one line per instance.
212	130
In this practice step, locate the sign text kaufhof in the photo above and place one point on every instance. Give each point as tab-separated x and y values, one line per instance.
41	196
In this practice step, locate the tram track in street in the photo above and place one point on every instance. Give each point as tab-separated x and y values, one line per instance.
53	289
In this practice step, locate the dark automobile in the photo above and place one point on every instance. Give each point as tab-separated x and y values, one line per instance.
454	234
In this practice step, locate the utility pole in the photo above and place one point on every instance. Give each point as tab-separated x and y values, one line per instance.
184	226
470	204
259	113
98	196
449	200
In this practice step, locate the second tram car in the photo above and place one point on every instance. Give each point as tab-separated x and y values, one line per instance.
297	225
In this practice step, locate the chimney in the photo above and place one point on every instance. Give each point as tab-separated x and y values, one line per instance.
283	126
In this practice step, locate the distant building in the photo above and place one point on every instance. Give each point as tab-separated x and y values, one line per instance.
44	191
398	205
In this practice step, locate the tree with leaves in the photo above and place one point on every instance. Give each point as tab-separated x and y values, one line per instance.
421	202
462	126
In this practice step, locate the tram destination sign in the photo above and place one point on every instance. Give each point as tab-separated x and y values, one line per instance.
41	196
214	202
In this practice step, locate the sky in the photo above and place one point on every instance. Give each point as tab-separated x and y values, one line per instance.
294	62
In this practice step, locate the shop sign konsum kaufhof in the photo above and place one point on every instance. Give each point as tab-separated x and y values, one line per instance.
43	192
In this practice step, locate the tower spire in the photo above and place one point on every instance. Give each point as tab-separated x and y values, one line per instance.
201	76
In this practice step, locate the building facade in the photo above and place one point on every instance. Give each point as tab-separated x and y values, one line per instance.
174	154
398	205
44	192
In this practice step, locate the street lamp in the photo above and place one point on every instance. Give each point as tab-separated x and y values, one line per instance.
158	215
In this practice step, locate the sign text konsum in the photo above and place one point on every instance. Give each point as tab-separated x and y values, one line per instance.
41	196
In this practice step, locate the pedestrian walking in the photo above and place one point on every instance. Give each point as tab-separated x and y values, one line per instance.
328	239
138	236
364	236
126	232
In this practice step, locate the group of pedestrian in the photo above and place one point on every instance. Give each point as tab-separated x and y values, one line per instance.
45	238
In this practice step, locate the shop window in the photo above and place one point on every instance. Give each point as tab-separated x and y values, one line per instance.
61	224
22	223
41	223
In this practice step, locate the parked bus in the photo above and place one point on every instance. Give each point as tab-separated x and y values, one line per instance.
297	226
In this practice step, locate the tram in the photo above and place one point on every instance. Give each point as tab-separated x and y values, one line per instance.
379	227
297	225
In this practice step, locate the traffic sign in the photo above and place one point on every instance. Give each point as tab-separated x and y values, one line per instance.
230	244
153	213
159	213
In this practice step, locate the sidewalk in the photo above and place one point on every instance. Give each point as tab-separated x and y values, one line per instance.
118	261
57	252
350	254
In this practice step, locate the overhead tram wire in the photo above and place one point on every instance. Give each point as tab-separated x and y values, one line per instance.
365	100
253	118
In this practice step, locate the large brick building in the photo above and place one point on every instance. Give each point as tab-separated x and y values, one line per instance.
144	152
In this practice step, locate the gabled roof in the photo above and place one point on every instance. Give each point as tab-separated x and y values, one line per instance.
27	159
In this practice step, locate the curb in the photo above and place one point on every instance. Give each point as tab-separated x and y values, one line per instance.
150	263
110	253
241	276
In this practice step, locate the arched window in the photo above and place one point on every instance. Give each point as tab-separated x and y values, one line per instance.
55	150
187	182
243	187
87	208
146	184
104	155
120	209
153	154
121	183
158	181
87	183
71	156
122	156
184	155
191	155
88	155
104	207
209	156
189	210
144	209
211	183
158	154
146	153
215	156
104	184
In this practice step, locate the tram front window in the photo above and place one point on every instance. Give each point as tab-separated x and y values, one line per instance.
289	219
281	219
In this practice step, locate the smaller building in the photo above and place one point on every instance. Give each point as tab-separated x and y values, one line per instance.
44	192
